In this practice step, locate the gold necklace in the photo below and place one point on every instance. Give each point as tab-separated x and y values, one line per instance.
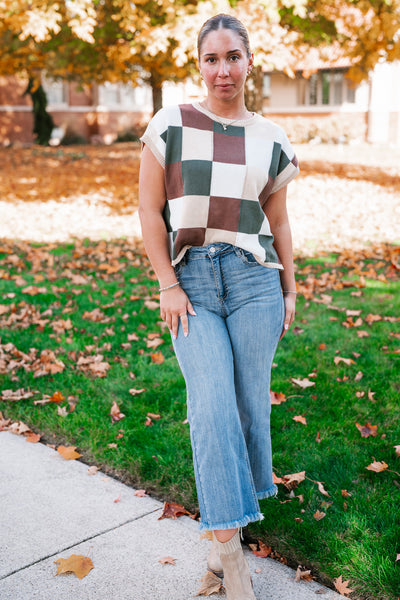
231	122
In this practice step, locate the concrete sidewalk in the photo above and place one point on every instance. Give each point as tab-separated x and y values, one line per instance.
51	508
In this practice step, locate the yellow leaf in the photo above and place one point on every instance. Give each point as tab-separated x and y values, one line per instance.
76	563
68	452
300	419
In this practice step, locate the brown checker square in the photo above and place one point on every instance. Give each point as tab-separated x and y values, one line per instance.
191	117
229	149
266	191
192	236
173	180
224	213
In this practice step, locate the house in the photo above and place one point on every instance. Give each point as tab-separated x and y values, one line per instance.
318	103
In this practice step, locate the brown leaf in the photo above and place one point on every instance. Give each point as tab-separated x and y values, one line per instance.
167	560
68	452
140	493
154	416
76	563
341	586
318	515
157	358
174	510
367	430
377	466
116	414
292	481
33	438
347	361
135	392
151	304
93	470
210	584
370	318
345	494
14	396
263	551
300	419
303	574
359	376
322	489
303	383
277	397
397	448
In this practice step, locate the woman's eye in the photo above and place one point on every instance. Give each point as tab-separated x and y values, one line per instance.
234	58
210	60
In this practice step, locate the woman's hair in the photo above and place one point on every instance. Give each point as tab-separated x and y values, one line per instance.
223	21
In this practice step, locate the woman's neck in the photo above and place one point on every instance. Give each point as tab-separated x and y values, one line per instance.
226	110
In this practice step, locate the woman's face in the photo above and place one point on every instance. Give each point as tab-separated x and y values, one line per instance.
224	64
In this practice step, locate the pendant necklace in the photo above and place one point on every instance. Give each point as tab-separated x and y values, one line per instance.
226	125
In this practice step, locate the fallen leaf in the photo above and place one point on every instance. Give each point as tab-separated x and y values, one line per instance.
377	466
341	586
209	584
261	550
359	376
151	304
292	481
140	493
118	499
397	448
135	392
116	414
33	438
174	510
68	452
318	515
167	560
15	396
372	318
345	494
93	470
302	574
367	430
300	419
322	489
277	397
76	563
157	358
347	361
303	383
153	416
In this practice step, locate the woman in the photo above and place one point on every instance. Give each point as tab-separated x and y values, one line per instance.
212	204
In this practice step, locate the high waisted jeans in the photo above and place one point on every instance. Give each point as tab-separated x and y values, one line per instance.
226	362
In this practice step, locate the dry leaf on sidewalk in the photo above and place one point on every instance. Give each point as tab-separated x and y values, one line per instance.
210	584
76	563
68	452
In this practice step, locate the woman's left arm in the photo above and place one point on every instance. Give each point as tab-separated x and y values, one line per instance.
276	211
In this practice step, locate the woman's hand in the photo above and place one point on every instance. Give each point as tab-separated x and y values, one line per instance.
174	305
290	304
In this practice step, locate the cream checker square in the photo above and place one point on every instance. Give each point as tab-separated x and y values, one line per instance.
258	153
227	181
197	144
190	211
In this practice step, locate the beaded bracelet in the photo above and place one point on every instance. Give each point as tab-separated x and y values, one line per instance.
289	292
169	287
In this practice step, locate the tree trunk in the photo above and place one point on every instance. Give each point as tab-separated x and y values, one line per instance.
43	123
254	90
156	88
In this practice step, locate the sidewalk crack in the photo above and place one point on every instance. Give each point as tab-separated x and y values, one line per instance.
88	539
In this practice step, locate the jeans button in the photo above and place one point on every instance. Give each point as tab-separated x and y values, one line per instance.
212	249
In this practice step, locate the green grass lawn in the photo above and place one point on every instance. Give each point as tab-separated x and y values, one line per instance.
96	304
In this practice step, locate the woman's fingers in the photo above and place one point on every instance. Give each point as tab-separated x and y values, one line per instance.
175	309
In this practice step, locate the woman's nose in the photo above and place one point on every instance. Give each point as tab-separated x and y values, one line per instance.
223	69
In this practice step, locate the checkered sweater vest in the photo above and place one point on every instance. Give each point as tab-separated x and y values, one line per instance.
219	177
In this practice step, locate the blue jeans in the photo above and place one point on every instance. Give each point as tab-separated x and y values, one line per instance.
226	362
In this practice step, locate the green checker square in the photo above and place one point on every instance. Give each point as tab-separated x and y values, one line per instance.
173	150
251	217
196	175
266	242
231	130
167	217
274	166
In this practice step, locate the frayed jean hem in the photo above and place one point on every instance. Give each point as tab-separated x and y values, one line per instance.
272	491
204	526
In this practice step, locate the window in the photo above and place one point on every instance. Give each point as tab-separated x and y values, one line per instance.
313	81
266	86
337	84
325	85
56	92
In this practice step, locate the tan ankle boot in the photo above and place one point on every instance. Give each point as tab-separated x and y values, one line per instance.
237	580
214	562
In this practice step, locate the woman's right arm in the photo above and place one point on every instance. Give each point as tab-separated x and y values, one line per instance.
174	303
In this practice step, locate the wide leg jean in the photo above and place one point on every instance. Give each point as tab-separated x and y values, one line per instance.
226	361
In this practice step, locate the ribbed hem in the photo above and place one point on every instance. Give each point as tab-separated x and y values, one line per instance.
272	491
230	546
204	526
